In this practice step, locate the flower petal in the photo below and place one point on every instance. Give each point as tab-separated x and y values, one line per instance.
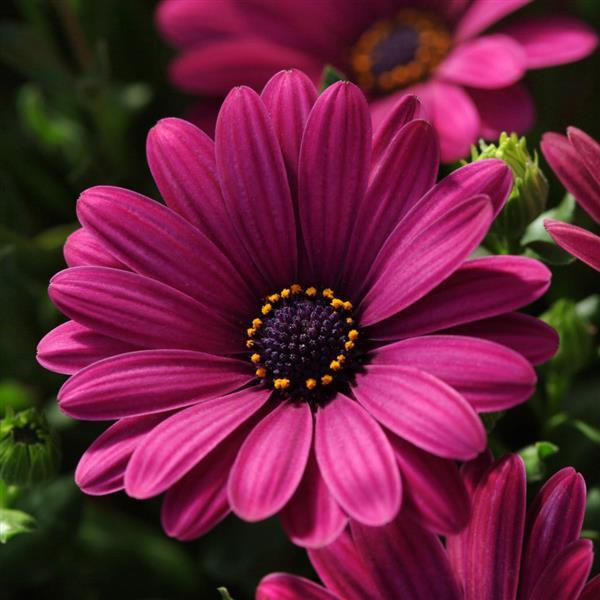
494	537
255	186
406	561
183	440
465	296
420	253
489	376
489	62
71	347
312	518
433	488
592	590
529	336
140	311
271	462
333	172
102	467
421	409
552	40
554	521
156	242
366	484
83	248
589	151
281	586
150	381
579	242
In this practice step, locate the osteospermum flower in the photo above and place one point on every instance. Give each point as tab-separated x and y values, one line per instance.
299	329
575	159
503	554
469	79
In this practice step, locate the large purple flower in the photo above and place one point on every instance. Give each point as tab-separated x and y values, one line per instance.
503	554
299	329
468	80
576	161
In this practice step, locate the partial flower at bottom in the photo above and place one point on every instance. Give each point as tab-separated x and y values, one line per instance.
300	330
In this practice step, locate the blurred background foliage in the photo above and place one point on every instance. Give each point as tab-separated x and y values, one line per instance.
82	81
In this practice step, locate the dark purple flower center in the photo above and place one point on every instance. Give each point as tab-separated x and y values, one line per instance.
400	51
304	343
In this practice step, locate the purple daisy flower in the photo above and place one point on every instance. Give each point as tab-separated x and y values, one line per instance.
504	553
299	330
468	79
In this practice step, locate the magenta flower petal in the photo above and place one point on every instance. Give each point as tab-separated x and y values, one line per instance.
406	561
83	248
289	97
255	186
552	40
506	109
271	462
490	376
592	590
566	574
494	535
490	62
343	426
281	586
423	250
483	13
156	242
102	466
333	172
312	518
531	337
71	346
572	172
434	490
180	442
421	409
150	381
140	311
404	172
579	242
554	521
342	569
464	297
589	151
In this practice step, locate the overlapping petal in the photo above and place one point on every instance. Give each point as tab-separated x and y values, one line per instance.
577	241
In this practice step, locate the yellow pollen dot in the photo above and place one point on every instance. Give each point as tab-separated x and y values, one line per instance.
249	343
347	305
349	345
256	323
311	384
281	384
261	372
311	291
326	379
266	309
251	331
328	293
353	335
296	288
273	298
255	358
341	358
349	320
337	303
335	365
285	293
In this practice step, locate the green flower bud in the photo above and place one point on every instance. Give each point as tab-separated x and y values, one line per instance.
528	197
28	449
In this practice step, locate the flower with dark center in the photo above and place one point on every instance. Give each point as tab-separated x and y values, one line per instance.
300	330
468	78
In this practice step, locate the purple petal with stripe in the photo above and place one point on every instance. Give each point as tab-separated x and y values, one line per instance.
82	248
581	243
281	586
589	151
592	590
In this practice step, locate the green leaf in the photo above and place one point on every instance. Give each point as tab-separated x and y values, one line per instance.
13	522
563	212
590	432
330	76
534	457
225	595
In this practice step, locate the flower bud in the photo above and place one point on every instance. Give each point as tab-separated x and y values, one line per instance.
28	448
529	194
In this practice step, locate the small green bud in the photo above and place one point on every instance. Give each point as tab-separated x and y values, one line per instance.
534	457
529	194
329	76
28	448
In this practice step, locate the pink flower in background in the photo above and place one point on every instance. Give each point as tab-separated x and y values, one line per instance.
468	78
299	331
575	159
503	554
